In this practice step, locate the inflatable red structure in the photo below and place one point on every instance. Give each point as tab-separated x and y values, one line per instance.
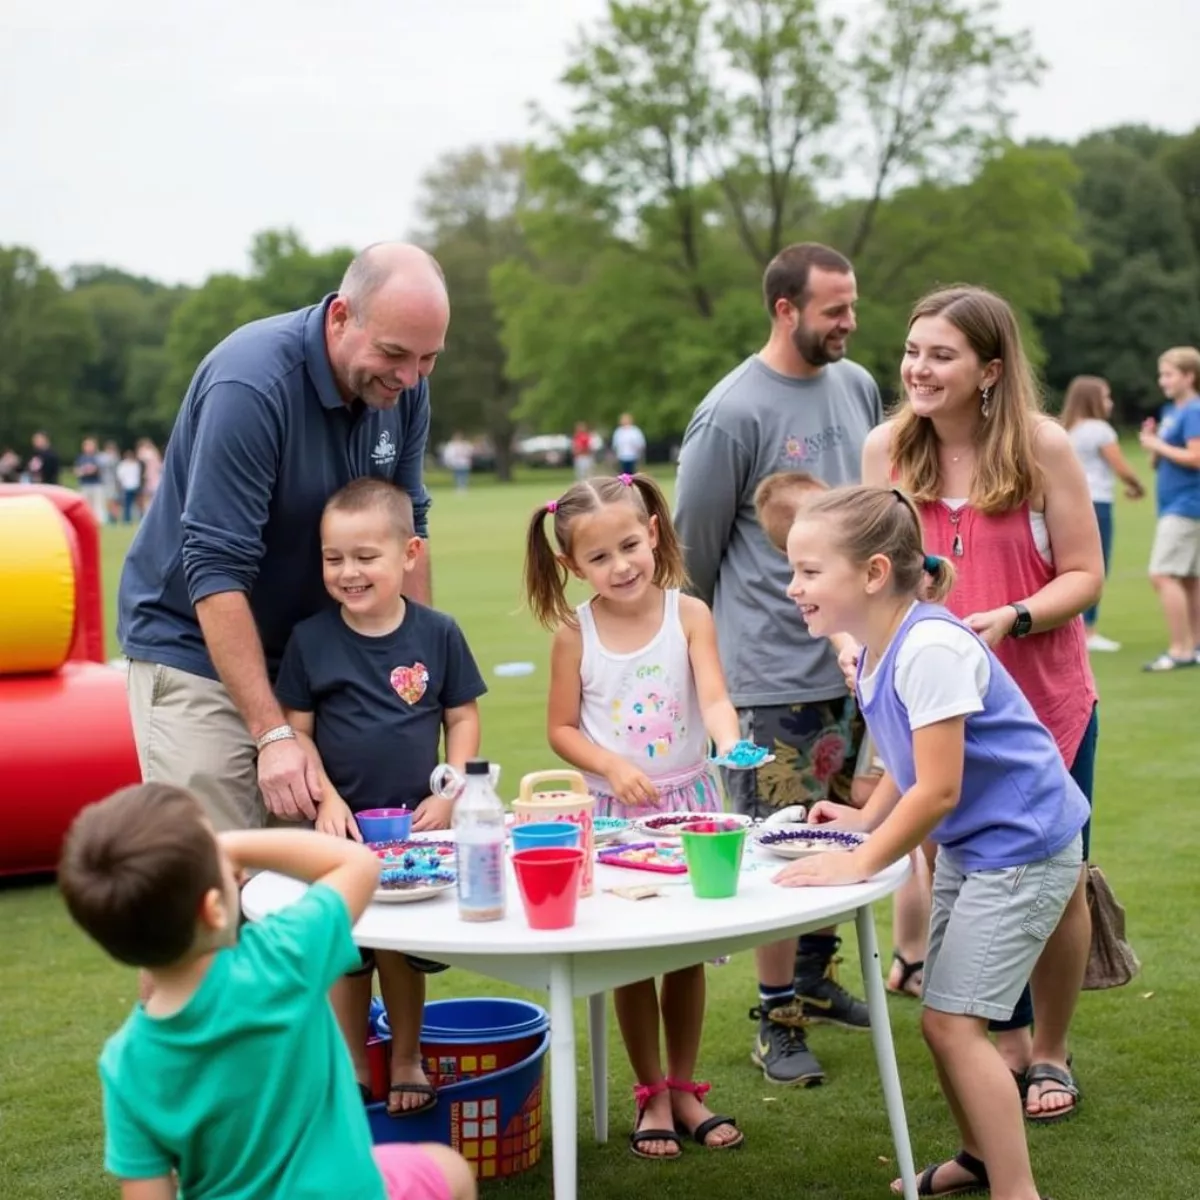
65	735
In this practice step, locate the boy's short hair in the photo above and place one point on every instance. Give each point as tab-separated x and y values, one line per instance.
135	869
362	495
778	500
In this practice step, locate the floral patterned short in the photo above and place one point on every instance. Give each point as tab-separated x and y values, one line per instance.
816	747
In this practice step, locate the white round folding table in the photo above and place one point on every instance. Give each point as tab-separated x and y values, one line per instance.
617	941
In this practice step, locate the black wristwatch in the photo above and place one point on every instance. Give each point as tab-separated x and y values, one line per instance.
1023	625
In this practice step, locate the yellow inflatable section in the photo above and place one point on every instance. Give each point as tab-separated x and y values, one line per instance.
37	586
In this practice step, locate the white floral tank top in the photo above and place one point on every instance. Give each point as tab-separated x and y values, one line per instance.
643	705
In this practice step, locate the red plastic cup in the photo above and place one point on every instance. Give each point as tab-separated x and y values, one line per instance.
548	880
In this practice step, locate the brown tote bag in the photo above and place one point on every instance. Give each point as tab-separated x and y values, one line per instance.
1112	962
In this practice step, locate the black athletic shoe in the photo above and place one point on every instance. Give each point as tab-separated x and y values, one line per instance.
823	998
780	1048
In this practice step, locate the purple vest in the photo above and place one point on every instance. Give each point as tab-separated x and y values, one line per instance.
1019	803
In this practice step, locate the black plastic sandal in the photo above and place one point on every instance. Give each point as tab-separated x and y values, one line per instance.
1064	1084
700	1134
642	1095
412	1089
969	1163
907	971
640	1136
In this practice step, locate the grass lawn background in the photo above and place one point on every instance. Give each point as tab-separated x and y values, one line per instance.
1135	1049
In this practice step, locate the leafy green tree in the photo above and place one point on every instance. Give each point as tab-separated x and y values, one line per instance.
44	343
1013	228
468	207
284	275
933	78
1140	293
1179	159
117	387
696	132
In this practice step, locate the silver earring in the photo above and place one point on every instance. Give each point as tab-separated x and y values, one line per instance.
985	401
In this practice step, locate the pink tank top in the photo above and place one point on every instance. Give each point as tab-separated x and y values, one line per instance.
1000	563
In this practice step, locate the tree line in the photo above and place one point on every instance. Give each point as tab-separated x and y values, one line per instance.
613	263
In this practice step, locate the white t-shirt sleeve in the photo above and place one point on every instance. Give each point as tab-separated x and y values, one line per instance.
941	672
1101	433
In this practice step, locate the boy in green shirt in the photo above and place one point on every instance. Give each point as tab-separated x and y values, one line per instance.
232	1080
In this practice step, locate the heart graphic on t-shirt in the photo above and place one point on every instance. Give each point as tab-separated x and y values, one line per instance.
410	682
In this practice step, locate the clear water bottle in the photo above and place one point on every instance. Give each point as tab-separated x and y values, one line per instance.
479	846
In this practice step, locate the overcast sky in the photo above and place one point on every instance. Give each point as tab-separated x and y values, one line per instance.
159	135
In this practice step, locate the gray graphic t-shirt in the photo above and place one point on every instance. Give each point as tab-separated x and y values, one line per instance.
753	423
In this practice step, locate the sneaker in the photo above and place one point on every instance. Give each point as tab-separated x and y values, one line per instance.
780	1048
824	999
1168	662
1102	644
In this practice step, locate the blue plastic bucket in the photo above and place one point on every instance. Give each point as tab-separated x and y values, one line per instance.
486	1058
480	1019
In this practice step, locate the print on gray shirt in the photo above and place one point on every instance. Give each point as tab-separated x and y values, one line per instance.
753	423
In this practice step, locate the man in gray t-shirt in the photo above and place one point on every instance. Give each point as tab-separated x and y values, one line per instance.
796	405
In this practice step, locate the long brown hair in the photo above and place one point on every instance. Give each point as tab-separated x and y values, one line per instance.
1084	400
1006	475
872	520
545	574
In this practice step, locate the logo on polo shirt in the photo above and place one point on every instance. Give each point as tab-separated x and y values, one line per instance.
384	453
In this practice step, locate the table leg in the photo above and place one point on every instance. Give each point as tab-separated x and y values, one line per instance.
885	1049
598	1034
562	1080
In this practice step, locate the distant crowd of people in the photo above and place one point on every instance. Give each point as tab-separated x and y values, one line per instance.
117	484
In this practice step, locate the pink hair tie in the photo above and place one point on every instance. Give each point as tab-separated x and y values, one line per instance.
552	506
627	480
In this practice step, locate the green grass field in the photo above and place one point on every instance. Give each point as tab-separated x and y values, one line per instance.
1134	1135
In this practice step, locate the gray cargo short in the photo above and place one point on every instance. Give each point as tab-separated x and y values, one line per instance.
987	929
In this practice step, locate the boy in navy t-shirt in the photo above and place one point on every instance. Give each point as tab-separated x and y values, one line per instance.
374	684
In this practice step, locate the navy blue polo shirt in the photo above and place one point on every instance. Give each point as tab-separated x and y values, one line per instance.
378	701
262	441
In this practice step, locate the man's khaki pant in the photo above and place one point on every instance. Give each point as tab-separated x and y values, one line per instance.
188	732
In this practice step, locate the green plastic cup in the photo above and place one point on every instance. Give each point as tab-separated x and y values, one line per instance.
714	861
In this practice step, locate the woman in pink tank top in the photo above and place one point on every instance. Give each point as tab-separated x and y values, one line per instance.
1004	497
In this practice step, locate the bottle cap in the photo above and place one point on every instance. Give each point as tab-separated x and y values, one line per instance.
478	766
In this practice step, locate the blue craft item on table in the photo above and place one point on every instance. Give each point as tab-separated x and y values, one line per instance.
415	866
743	756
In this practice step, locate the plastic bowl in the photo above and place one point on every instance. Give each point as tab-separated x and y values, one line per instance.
384	824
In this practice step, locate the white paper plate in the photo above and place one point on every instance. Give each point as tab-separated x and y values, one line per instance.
671	832
411	895
799	841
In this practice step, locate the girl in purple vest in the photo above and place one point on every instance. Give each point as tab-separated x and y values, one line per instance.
968	765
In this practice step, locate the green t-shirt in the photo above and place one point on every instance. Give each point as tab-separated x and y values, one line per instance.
248	1091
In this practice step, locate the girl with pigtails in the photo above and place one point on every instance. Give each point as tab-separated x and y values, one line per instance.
636	693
